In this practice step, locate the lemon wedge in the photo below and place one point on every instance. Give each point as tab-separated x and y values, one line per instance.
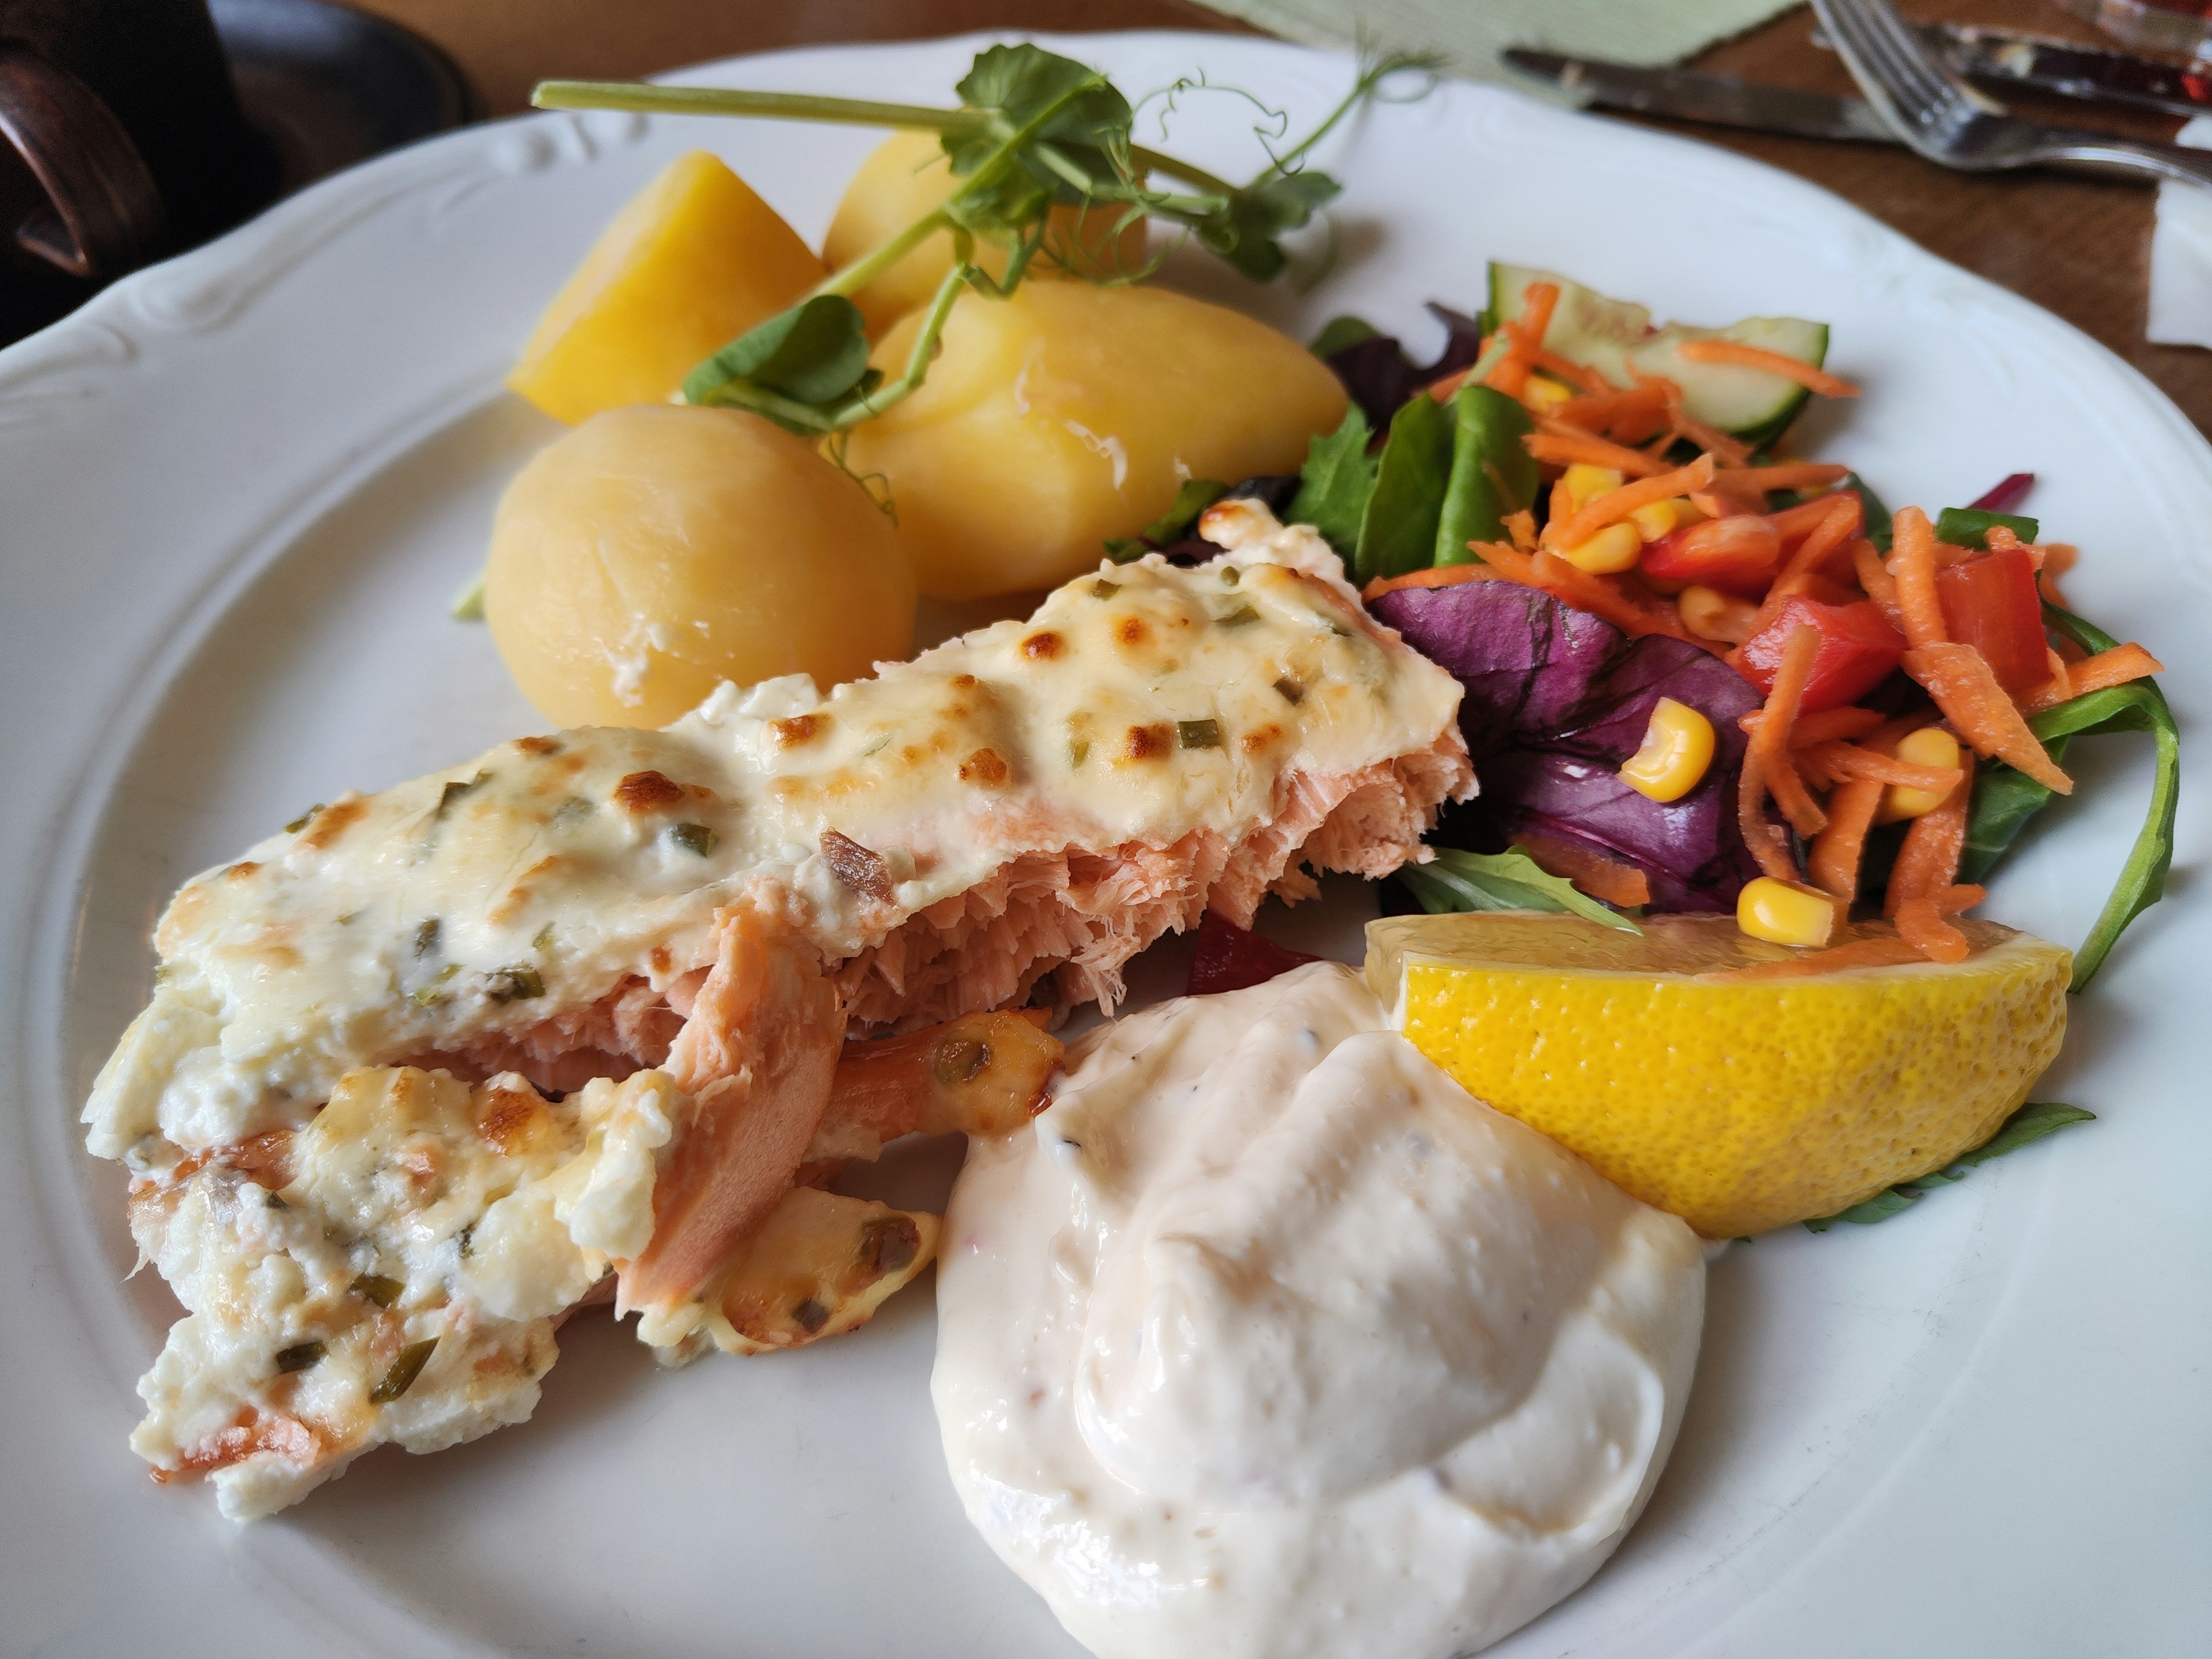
1738	1083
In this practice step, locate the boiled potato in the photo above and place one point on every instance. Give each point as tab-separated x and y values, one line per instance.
692	263
908	176
1070	413
657	549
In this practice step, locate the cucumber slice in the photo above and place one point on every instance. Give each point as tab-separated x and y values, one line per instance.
1616	336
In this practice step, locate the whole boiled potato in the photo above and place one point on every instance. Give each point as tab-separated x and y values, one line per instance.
659	550
1071	412
906	177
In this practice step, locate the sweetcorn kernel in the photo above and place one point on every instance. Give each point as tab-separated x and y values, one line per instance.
1783	913
1585	483
1614	549
1543	392
1931	746
1676	751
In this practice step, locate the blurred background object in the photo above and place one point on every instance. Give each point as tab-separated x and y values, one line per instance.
2180	27
135	129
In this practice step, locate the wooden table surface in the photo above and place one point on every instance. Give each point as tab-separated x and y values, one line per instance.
2081	247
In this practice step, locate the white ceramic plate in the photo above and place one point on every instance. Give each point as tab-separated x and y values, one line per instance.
235	494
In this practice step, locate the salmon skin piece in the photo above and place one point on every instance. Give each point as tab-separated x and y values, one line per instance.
1007	819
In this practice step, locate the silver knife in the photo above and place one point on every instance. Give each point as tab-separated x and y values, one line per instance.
1725	100
2076	71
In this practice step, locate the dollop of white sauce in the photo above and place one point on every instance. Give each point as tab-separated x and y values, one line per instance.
1266	1338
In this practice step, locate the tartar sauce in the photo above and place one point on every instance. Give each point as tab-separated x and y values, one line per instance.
1265	1338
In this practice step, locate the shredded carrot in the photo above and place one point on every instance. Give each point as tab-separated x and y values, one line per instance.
1713	441
1560	444
1599	595
1950	553
1879	586
1581	376
2001	539
1923	922
2106	669
1841	523
1767	842
1772	362
1927	860
1522	527
1794	524
1833	862
1980	712
1614	880
1442	389
2058	689
1510	375
1832	724
1838	850
1911	564
1845	760
2058	558
1617	504
1771	742
1787	474
1605	411
1441	576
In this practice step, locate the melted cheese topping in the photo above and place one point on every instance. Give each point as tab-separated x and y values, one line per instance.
1138	705
1266	1339
392	1272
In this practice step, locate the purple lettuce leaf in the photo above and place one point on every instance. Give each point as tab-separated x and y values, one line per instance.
1555	700
1379	376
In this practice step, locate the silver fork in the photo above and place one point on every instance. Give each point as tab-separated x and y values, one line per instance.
1949	122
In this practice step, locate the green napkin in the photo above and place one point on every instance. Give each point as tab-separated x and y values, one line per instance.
1473	32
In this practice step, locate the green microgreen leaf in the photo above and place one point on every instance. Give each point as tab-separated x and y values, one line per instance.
1245	229
1969	527
2005	800
1511	880
1084	117
2029	1124
814	353
1335	484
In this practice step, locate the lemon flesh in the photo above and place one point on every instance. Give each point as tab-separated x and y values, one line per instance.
1738	1103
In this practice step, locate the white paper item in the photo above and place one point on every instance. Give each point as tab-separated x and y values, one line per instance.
2180	312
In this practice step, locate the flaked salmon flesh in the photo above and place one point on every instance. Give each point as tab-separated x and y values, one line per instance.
1007	819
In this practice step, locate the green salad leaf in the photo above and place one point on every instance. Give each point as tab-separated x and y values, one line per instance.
1194	496
1398	531
2005	801
1335	484
2030	1123
1493	473
1510	880
1969	527
1872	510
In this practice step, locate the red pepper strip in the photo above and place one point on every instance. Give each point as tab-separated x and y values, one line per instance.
1858	649
1736	555
1990	604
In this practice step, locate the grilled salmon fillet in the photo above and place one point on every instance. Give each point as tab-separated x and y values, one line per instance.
1005	819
